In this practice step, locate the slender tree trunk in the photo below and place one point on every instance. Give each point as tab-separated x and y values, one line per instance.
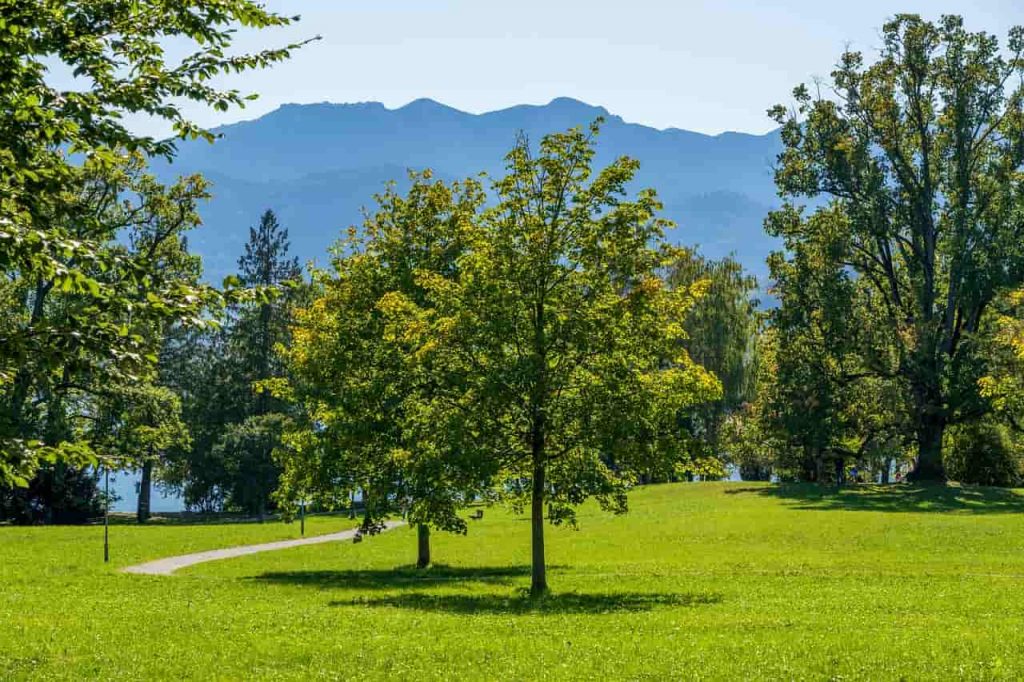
538	446
887	465
539	580
422	545
145	492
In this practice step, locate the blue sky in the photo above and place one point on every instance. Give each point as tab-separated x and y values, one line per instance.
705	66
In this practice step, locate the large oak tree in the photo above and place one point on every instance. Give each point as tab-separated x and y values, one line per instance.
921	154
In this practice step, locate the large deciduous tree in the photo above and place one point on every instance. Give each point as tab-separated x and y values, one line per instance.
139	425
85	332
560	340
373	420
921	153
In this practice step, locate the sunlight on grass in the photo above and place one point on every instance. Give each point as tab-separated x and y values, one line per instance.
717	581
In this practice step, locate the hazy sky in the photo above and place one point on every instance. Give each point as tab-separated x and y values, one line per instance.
705	66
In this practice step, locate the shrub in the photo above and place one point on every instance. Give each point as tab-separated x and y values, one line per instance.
982	453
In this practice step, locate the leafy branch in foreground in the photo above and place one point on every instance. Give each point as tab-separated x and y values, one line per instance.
48	244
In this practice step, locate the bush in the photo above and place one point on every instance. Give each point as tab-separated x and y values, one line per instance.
57	494
982	453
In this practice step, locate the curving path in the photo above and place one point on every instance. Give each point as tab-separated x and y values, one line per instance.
171	564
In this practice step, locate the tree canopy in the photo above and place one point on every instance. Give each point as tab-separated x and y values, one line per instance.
918	156
115	50
559	340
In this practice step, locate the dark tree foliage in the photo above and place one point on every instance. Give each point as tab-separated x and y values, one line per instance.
257	329
56	494
919	155
118	50
236	425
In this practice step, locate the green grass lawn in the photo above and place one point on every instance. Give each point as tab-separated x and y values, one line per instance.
698	581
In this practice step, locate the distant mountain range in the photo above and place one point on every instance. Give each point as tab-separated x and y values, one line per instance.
318	165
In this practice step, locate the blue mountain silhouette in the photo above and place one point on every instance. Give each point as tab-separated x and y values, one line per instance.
319	165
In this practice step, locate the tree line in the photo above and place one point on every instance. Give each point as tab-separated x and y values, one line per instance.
533	339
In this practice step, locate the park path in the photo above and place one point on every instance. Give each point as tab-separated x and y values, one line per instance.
171	564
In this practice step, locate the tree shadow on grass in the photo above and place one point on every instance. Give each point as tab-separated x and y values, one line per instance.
523	604
401	577
901	497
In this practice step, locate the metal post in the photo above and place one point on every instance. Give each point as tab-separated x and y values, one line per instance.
106	514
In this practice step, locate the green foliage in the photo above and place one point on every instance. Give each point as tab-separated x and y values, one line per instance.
235	422
919	153
1004	383
373	420
56	494
827	394
245	452
73	350
137	423
199	365
721	336
54	236
558	343
983	453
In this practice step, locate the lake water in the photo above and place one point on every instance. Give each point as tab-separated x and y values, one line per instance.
125	485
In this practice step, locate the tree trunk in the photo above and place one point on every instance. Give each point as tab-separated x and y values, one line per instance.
145	492
538	447
539	580
422	545
887	465
929	466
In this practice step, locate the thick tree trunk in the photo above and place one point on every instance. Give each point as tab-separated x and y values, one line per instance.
539	580
886	466
145	492
422	545
929	466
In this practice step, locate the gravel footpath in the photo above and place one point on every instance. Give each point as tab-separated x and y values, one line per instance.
171	564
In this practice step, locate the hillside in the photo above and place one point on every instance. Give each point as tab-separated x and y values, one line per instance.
318	166
697	581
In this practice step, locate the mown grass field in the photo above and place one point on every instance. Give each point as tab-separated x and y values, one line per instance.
698	581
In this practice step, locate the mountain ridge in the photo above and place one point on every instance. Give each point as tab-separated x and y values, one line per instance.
318	165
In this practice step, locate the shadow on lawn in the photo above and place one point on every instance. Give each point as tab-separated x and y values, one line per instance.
900	497
524	604
400	577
